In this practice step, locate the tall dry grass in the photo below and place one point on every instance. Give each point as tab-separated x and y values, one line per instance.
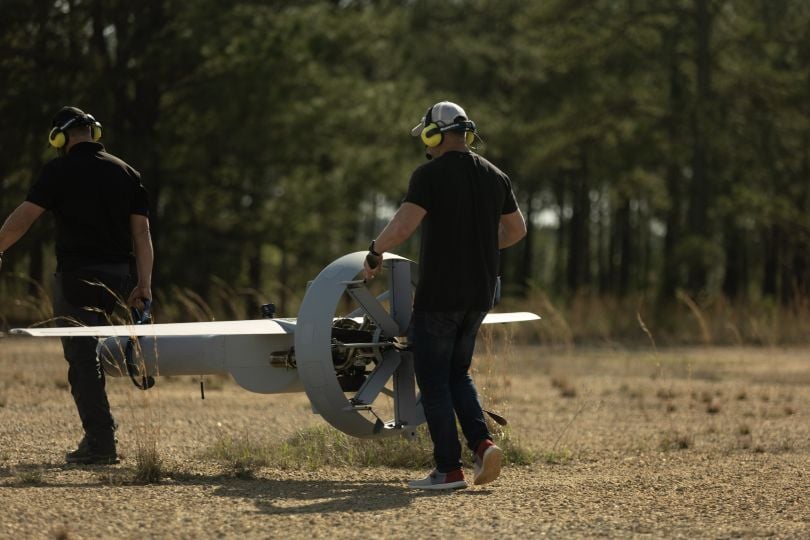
706	320
586	318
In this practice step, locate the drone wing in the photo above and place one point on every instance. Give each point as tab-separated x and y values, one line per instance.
218	328
213	328
517	316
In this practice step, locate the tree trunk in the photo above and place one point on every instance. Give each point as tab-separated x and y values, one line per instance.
527	269
771	263
625	254
604	248
700	191
579	240
733	281
558	186
674	180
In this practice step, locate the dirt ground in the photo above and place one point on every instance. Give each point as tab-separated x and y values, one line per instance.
688	443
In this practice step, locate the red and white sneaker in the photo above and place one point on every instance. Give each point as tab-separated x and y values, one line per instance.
437	480
487	465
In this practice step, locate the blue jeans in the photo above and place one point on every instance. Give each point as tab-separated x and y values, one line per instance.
443	345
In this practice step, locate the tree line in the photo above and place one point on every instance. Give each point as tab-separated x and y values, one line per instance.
655	146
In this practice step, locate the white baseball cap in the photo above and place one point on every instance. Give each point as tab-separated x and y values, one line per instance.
442	114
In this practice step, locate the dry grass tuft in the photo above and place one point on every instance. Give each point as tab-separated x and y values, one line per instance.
632	393
667	394
110	478
676	441
744	436
148	472
62	532
30	476
566	388
148	465
713	407
705	333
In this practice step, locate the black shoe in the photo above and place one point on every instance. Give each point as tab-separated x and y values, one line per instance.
90	452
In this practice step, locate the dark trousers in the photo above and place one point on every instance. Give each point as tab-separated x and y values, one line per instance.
88	296
443	344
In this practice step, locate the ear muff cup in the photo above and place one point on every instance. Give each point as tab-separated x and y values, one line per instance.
432	136
95	131
469	138
56	138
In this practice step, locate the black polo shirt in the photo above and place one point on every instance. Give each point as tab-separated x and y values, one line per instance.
464	196
92	195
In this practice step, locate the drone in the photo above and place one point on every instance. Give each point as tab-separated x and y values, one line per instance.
351	366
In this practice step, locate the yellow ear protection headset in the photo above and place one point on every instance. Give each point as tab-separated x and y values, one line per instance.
58	135
432	134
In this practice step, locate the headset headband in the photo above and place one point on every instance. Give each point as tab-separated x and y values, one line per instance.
85	119
462	125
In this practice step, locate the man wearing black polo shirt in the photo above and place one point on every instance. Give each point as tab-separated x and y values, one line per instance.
468	212
101	213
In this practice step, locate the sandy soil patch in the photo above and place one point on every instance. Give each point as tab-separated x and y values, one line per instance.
678	444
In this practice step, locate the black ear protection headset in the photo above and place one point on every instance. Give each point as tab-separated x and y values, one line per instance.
58	136
432	134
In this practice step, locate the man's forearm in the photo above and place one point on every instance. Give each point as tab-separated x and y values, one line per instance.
400	228
507	237
18	223
390	237
511	229
144	259
9	236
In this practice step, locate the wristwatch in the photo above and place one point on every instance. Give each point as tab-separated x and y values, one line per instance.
373	258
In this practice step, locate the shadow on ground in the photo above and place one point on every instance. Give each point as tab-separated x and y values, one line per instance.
287	496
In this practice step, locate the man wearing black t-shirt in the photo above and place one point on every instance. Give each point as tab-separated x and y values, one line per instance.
101	212
468	212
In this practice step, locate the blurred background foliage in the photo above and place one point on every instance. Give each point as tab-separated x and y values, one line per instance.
660	149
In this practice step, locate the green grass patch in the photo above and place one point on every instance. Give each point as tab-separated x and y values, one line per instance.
556	457
30	477
320	446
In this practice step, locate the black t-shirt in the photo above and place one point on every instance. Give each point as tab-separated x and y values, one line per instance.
464	196
92	195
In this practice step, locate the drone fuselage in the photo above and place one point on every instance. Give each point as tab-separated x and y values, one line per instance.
346	364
